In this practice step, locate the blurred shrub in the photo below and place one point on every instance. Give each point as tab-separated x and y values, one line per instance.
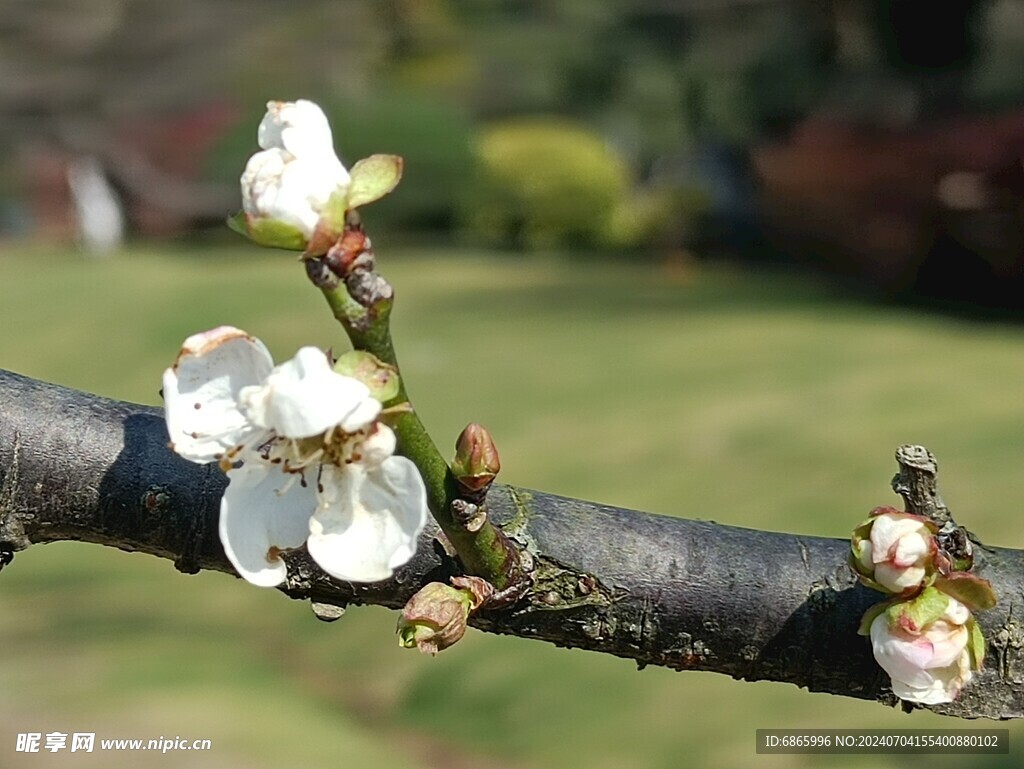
543	183
434	138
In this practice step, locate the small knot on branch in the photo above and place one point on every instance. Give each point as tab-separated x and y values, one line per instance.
916	483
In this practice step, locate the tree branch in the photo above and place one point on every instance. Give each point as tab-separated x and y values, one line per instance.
664	591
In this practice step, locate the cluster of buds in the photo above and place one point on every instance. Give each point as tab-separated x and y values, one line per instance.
925	636
437	616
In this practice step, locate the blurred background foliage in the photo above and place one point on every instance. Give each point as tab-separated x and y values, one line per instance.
575	174
880	140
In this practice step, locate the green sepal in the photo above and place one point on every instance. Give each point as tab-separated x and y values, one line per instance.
237	223
975	644
380	377
373	178
918	612
969	589
871	615
270	233
861	535
332	217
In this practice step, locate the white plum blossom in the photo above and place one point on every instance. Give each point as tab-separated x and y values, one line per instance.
294	175
930	664
306	458
899	552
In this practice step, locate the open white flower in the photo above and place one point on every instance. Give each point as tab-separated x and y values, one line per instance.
306	459
297	171
929	664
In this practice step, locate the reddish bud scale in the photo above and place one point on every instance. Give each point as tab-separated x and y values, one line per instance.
342	256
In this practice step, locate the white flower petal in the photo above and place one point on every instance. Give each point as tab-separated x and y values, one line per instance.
361	412
303	189
944	686
300	127
887	531
277	186
864	559
260	179
947	646
956	613
255	517
377	446
201	391
898	579
899	655
368	521
912	548
305	397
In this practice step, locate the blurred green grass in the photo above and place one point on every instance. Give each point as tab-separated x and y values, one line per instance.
755	399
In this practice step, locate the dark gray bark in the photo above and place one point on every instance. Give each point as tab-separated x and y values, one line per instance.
663	591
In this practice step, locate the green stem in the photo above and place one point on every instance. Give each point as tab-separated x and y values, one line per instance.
487	552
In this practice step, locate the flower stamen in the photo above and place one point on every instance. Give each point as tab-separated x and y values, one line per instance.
299	476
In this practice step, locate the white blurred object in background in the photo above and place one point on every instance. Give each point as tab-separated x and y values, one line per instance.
100	217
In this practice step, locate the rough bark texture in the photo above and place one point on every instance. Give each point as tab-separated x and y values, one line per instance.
663	591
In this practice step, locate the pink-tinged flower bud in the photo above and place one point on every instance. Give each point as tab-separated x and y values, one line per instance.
434	618
476	460
928	646
894	551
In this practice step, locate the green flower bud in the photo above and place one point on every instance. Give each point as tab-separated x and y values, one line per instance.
476	460
380	377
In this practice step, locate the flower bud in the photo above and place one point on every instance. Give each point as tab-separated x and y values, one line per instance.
476	460
894	551
380	377
287	186
928	646
434	618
